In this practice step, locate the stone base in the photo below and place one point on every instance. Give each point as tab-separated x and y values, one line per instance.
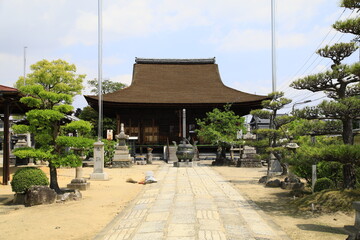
99	176
79	184
250	163
184	164
122	164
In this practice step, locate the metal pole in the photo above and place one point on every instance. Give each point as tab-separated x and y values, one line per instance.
25	65
100	124
184	123
273	44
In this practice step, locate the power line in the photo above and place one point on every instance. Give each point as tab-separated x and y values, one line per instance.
284	85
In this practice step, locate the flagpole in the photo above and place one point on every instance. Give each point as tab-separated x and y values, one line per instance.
273	45
100	124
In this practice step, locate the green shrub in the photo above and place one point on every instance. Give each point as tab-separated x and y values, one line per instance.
27	177
322	184
109	150
301	162
331	170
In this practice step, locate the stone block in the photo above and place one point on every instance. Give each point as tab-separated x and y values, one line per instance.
38	195
79	184
122	164
184	164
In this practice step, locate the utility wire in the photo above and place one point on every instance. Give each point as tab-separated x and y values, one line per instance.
285	84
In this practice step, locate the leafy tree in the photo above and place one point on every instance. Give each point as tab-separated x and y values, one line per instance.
107	86
49	90
89	114
220	127
314	127
341	84
276	132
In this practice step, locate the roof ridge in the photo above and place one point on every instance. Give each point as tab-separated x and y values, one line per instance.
175	60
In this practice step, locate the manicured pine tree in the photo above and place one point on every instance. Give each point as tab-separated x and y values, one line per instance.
49	90
341	84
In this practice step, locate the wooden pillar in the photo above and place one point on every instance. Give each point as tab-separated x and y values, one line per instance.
6	152
180	125
117	123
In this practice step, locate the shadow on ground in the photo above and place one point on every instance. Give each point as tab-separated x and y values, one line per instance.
321	228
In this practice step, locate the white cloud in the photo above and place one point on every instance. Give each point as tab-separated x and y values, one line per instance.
10	66
124	78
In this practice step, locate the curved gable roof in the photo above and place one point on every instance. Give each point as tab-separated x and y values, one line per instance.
177	81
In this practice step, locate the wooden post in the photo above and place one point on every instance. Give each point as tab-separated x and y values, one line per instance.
6	152
117	123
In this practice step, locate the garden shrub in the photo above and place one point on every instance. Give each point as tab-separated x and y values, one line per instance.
322	184
27	177
109	150
331	170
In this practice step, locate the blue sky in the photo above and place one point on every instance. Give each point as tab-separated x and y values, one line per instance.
236	32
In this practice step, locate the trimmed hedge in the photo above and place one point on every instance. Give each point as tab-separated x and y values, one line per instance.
27	177
322	184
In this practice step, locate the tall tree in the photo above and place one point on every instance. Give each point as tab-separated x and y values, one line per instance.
90	115
276	102
341	84
107	86
49	90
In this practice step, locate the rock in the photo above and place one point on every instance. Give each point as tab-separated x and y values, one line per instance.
292	185
19	198
263	179
298	186
292	179
38	195
273	183
70	195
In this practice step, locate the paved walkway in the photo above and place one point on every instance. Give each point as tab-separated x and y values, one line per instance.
191	203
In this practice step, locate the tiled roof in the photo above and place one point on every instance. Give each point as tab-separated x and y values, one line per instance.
7	89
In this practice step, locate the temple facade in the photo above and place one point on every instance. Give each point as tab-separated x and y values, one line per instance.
166	97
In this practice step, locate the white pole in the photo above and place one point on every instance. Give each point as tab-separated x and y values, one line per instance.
25	64
100	124
99	173
273	48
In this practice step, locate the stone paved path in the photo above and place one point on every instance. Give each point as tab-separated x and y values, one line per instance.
191	203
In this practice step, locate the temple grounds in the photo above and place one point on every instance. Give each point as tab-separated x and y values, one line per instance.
109	200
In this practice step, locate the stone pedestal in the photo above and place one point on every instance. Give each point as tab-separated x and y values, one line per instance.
172	154
122	158
99	173
149	158
79	182
249	158
184	164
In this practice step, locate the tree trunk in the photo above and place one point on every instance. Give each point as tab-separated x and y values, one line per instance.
53	179
348	137
349	176
284	166
285	169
